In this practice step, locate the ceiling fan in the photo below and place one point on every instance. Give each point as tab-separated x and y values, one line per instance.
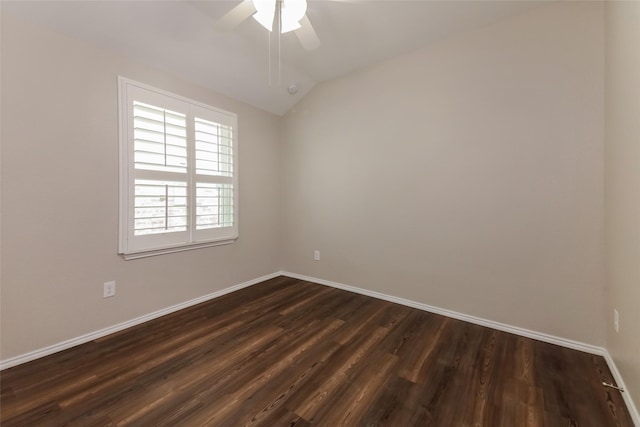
288	15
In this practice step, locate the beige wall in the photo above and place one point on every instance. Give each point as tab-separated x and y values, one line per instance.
467	175
60	195
622	185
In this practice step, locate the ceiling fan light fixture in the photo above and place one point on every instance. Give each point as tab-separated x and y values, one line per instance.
265	12
292	11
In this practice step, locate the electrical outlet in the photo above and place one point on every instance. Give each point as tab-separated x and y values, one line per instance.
316	255
616	320
109	289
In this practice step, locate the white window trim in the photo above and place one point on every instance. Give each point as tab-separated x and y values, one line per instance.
126	176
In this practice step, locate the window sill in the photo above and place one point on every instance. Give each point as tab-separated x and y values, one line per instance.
148	253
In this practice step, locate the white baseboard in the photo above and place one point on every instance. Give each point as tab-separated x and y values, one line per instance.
36	354
576	345
633	409
564	342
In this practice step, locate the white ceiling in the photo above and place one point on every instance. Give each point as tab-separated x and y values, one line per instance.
181	37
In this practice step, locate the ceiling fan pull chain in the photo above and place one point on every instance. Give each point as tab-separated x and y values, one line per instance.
279	5
269	40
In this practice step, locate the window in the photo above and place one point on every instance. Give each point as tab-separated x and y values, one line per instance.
178	173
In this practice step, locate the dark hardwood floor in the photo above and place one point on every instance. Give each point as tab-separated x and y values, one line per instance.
287	352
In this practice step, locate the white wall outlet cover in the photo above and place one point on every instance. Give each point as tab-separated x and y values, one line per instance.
109	289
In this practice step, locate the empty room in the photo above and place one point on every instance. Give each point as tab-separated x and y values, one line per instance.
319	213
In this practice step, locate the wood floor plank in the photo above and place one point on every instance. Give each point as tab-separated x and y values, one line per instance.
345	361
287	352
348	404
243	388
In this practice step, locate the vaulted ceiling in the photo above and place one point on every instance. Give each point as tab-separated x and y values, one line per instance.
182	37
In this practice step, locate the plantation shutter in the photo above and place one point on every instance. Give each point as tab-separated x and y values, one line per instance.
214	155
178	172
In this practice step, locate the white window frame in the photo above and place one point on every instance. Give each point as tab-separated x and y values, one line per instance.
132	246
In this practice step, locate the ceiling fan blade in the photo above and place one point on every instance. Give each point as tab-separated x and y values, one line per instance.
235	16
307	35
